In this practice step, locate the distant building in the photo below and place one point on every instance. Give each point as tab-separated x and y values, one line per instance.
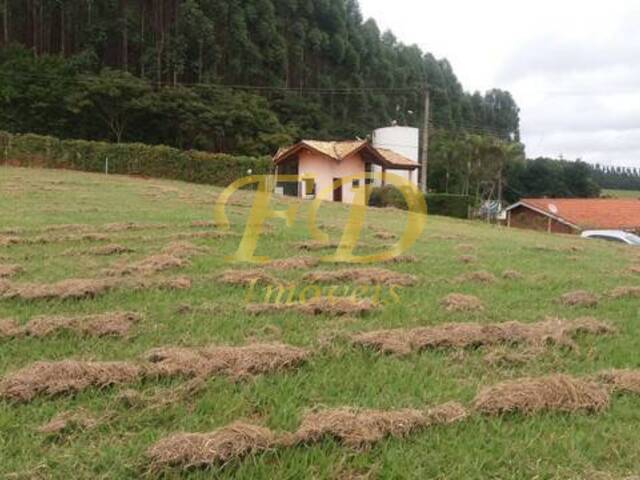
317	165
574	215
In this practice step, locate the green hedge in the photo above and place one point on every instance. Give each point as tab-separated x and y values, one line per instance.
448	205
129	159
437	203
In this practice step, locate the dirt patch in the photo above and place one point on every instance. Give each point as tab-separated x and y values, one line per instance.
106	324
65	377
458	302
67	422
476	277
236	362
472	335
293	263
247	277
623	381
7	271
551	393
111	249
362	276
192	450
579	298
358	428
337	307
313	245
512	275
625	292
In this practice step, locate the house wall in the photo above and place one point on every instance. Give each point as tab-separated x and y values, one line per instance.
324	170
525	218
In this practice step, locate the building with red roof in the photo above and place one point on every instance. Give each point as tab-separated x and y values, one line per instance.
574	215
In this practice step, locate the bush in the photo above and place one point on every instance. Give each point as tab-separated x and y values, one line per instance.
449	205
128	159
387	196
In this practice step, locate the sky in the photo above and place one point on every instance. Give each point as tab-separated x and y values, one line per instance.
572	66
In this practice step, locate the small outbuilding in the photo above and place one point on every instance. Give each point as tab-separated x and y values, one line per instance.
574	215
317	165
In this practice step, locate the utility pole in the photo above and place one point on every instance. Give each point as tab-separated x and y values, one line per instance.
425	140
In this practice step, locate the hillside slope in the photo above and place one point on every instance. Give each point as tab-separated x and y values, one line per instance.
143	217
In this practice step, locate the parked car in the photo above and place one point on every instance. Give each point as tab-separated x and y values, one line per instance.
619	236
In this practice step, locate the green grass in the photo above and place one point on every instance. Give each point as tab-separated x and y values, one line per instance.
621	193
514	447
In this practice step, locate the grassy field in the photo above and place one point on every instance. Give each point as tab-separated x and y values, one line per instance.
544	445
621	193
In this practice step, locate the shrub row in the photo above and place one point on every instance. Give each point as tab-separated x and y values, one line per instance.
437	203
157	161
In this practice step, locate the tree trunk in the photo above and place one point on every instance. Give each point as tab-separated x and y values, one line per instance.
200	59
62	28
142	42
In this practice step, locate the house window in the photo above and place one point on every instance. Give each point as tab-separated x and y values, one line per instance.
310	187
355	183
368	177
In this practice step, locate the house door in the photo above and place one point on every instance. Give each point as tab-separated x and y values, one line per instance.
337	191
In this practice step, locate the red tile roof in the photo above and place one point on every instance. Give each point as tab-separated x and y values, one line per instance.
591	213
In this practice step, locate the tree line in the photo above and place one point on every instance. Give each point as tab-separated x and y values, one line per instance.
316	68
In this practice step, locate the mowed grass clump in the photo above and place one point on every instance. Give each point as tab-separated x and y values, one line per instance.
560	393
103	417
465	335
362	276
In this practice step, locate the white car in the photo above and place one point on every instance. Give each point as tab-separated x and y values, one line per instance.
619	236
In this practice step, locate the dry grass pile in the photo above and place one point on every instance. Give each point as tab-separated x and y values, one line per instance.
471	335
579	298
130	226
337	307
467	259
625	292
465	247
246	277
110	249
184	250
6	240
402	259
171	283
476	277
148	266
384	235
68	421
314	245
106	324
293	263
512	275
560	393
203	224
7	271
236	362
65	289
192	450
635	269
358	428
362	276
65	377
67	227
624	381
458	302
